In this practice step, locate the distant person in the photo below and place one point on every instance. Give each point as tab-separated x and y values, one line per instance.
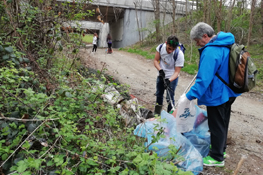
109	42
94	42
210	90
169	70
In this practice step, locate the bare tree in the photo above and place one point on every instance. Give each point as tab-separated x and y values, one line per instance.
229	16
156	7
170	7
205	11
218	15
173	17
261	10
186	7
136	4
251	19
164	15
241	6
208	7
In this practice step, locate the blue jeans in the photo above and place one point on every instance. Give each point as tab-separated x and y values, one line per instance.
160	91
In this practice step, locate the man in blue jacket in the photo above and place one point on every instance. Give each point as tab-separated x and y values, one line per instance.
210	90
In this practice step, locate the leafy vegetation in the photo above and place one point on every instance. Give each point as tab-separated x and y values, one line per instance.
53	117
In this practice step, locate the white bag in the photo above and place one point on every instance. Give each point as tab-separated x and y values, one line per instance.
185	116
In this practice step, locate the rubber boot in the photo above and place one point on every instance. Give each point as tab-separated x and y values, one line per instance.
158	109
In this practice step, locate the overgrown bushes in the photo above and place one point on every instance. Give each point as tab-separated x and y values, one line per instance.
53	119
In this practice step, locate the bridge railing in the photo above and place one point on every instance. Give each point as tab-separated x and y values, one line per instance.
142	5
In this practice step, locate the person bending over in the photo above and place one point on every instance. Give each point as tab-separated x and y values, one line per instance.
169	67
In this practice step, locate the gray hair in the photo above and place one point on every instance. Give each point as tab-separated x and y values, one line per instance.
200	29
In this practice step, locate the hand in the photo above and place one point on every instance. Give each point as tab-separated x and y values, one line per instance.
167	84
161	73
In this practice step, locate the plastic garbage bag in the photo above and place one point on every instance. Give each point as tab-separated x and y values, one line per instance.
185	116
130	112
199	136
192	159
111	95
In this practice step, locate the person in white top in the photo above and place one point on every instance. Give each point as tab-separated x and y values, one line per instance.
94	42
169	67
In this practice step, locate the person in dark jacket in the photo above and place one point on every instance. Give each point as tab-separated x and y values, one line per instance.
109	42
210	90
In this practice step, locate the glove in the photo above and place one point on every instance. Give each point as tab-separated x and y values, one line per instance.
167	84
161	73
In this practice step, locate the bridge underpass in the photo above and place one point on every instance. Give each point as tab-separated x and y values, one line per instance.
119	18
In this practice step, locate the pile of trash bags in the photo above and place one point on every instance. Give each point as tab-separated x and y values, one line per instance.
192	145
186	129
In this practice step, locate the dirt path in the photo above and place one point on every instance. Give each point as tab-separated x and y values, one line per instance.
245	132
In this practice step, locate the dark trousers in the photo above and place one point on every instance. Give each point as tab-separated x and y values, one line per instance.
218	122
160	91
94	47
109	46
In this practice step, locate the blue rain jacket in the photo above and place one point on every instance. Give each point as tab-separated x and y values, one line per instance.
208	88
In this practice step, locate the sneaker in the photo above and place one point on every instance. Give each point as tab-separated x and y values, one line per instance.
209	161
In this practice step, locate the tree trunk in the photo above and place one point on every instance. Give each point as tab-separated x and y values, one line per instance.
173	17
229	18
261	10
253	3
219	19
205	11
156	6
164	15
138	25
208	9
141	20
186	7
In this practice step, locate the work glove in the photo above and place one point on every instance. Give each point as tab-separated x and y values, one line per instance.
167	84
161	73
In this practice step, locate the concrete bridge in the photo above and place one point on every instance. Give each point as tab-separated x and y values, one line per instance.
124	18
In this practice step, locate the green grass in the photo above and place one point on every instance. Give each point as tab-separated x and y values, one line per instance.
87	38
190	68
141	52
191	59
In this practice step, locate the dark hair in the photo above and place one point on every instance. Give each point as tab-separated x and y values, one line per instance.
173	41
108	37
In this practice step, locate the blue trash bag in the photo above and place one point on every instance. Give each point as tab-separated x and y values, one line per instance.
192	159
199	136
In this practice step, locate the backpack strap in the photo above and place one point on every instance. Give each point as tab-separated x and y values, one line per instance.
228	46
222	79
176	52
160	47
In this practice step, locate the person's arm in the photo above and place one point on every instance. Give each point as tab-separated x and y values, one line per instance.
176	74
156	61
208	66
